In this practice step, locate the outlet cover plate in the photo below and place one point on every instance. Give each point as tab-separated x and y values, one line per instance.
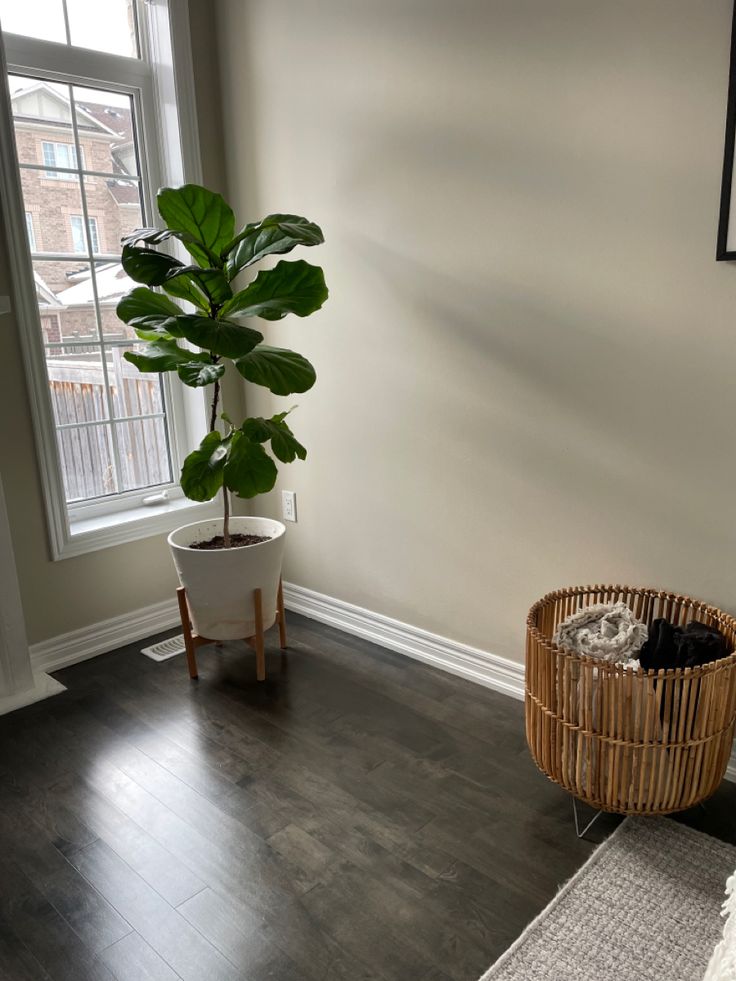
288	505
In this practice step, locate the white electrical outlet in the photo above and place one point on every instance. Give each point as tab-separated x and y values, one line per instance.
288	505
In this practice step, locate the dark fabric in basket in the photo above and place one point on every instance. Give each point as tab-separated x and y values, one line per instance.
670	646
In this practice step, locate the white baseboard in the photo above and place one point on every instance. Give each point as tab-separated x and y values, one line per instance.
99	638
498	673
468	662
482	667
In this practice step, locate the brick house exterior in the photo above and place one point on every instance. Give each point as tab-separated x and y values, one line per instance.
53	205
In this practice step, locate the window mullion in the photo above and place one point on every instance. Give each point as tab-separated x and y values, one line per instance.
66	22
101	422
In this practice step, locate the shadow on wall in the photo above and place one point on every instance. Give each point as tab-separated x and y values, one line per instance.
570	402
528	338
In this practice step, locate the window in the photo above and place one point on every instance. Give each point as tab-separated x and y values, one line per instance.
102	121
79	240
30	233
62	155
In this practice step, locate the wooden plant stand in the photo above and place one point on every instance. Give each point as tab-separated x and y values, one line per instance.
193	640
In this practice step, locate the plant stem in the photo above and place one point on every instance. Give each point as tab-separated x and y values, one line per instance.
225	499
226	517
215	400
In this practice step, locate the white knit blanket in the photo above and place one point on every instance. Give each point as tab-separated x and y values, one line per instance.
722	966
608	631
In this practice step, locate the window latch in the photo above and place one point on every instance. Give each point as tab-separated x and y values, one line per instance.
153	499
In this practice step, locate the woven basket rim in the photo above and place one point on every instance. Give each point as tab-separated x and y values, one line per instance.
618	669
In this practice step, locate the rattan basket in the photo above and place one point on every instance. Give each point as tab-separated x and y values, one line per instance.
633	742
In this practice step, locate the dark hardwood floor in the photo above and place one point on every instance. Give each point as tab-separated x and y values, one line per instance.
359	815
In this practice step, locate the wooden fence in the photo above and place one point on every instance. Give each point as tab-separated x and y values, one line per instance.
85	433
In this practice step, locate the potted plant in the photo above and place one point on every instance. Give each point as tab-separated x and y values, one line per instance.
221	562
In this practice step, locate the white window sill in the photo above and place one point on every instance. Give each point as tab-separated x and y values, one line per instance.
103	531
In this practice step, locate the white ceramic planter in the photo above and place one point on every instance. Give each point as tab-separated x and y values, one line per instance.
220	583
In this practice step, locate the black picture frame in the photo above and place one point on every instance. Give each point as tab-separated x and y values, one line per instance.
726	245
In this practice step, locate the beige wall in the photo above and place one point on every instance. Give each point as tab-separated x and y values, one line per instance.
526	363
62	596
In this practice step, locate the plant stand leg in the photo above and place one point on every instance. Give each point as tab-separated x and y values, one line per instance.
186	627
589	825
260	654
282	616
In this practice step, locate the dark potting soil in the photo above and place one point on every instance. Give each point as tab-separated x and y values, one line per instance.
236	541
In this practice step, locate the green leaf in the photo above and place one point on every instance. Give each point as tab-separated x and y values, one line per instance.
144	308
185	289
290	287
202	473
163	355
196	374
284	444
281	371
155	236
211	282
249	469
274	235
151	236
218	336
154	333
148	266
201	215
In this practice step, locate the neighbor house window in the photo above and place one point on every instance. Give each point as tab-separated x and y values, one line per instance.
30	233
79	241
60	155
86	108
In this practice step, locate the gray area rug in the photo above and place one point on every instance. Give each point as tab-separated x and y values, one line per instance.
646	905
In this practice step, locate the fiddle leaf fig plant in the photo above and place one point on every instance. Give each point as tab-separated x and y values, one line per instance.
198	344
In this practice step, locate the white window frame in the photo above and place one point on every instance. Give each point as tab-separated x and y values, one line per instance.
163	82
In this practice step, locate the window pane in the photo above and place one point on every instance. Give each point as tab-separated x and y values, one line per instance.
103	26
134	394
31	231
53	201
112	283
144	453
81	241
65	301
43	122
125	205
77	384
105	122
87	465
42	19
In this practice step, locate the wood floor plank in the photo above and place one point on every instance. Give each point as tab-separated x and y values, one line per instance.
162	927
42	929
251	939
91	917
156	866
132	959
17	963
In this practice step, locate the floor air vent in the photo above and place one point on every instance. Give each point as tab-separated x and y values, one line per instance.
165	649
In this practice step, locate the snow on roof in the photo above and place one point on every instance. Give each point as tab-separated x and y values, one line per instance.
46	296
112	282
